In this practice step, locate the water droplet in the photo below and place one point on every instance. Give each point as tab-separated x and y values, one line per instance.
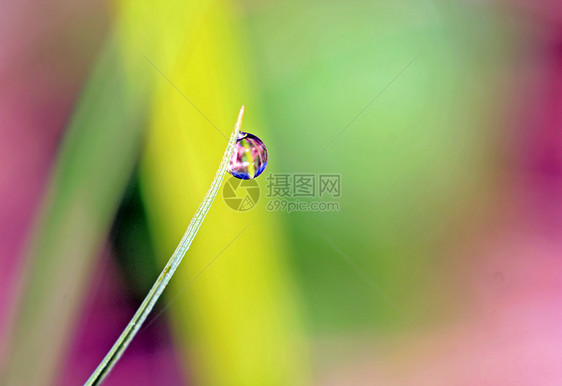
249	158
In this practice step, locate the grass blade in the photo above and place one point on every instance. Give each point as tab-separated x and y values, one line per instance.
163	279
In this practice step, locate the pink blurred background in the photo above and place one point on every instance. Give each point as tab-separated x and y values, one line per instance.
499	262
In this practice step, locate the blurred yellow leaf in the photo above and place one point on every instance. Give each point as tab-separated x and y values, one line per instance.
238	322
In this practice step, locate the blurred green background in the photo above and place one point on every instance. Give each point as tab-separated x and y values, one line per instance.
427	110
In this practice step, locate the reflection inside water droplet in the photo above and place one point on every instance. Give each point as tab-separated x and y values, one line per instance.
249	158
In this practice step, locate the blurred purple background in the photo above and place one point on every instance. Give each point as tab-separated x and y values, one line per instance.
498	261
